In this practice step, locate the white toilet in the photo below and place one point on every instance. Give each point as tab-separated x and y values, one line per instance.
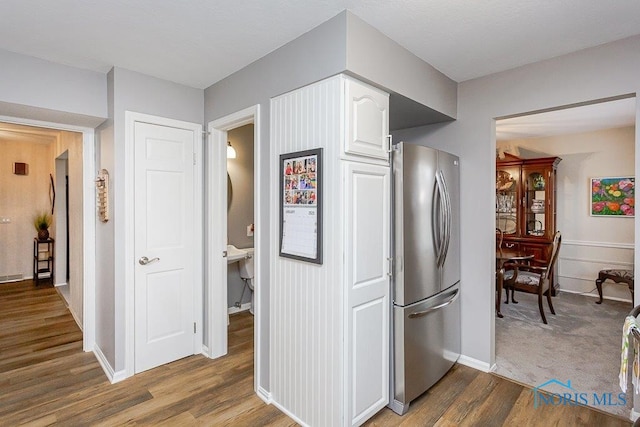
245	266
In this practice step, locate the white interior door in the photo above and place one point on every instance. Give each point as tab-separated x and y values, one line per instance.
164	234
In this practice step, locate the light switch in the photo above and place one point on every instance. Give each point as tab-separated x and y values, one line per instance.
250	230
5	220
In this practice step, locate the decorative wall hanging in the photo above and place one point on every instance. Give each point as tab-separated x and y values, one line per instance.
21	169
613	196
301	205
102	196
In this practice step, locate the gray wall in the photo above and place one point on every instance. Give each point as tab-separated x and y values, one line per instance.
601	72
311	57
375	58
128	91
240	172
41	90
240	213
322	52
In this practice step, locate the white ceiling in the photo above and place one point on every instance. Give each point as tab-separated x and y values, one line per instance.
198	42
586	118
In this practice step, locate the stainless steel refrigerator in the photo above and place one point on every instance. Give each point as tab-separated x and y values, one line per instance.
426	279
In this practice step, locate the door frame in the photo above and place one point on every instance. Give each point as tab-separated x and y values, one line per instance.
216	225
88	221
129	226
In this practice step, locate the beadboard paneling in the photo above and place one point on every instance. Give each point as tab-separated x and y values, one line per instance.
306	299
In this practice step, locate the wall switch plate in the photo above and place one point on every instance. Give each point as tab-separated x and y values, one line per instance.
250	230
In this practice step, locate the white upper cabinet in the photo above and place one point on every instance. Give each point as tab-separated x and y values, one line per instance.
367	126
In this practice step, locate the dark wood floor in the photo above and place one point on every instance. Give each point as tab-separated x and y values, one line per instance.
46	379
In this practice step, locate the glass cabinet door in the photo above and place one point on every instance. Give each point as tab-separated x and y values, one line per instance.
507	199
535	201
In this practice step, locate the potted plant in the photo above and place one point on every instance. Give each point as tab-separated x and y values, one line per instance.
42	222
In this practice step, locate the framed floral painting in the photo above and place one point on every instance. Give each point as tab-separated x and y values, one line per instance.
613	196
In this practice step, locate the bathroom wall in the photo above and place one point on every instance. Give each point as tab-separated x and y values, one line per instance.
240	211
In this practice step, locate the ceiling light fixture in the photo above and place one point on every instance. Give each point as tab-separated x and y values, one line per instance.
231	152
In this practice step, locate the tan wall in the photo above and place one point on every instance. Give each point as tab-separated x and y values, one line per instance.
21	197
71	144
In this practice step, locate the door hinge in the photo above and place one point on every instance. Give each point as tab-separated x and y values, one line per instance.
194	327
390	146
194	159
390	272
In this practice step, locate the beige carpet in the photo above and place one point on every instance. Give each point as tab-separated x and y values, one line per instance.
580	344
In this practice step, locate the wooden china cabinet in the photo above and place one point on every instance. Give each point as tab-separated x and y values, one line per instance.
526	205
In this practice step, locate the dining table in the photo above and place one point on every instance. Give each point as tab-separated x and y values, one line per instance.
503	256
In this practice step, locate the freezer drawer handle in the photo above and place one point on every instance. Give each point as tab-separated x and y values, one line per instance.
439	306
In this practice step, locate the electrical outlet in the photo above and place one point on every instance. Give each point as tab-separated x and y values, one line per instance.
5	220
250	230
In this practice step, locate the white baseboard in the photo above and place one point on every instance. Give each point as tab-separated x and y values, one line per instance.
205	351
113	376
588	294
634	415
60	284
475	363
244	307
264	395
289	414
73	313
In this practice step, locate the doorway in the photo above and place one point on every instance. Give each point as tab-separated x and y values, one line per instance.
594	141
80	140
216	339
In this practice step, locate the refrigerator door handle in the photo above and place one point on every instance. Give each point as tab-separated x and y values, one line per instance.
448	215
440	217
435	223
423	313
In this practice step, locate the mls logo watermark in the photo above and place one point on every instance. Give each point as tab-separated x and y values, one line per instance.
571	397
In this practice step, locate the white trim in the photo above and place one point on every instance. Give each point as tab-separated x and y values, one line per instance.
598	262
89	241
216	241
264	395
129	273
216	233
589	294
244	307
288	413
475	363
88	221
634	415
598	244
590	279
75	317
112	376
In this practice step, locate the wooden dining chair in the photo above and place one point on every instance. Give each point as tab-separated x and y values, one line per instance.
533	278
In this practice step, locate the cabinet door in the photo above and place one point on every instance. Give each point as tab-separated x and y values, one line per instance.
508	200
367	121
366	242
538	209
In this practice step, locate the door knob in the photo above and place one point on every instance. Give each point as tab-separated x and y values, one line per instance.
144	260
